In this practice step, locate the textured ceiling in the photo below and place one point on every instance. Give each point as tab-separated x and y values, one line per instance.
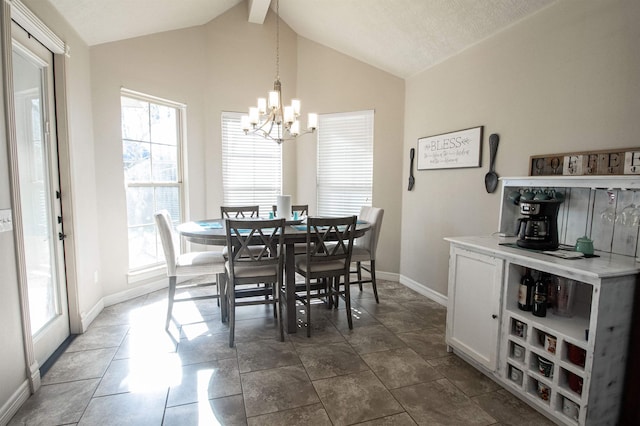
402	37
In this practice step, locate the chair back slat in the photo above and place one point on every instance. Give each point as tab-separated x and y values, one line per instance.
243	236
239	212
330	239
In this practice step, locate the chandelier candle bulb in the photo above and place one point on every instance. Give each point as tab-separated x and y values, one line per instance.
295	128
244	122
312	121
274	100
254	117
295	104
262	106
288	114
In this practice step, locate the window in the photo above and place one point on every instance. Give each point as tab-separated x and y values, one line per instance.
251	166
345	162
151	154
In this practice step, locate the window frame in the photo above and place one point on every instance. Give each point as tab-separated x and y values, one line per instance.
142	272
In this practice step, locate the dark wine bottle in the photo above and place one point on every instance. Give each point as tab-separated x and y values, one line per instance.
540	297
525	292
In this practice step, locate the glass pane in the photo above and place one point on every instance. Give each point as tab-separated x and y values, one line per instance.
169	198
39	235
142	246
165	163
137	161
135	119
164	125
139	206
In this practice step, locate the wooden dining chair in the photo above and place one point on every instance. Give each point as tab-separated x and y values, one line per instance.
256	256
239	212
189	265
327	258
364	248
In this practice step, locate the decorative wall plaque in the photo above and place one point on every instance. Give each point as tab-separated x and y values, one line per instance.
623	161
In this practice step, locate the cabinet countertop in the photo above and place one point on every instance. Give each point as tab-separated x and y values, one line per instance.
591	270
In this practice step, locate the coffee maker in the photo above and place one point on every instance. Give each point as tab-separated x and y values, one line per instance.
538	228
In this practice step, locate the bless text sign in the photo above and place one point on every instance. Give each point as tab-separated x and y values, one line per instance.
450	150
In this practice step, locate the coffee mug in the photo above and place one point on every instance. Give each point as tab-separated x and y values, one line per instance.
550	344
518	352
584	245
543	391
514	197
545	367
570	409
527	196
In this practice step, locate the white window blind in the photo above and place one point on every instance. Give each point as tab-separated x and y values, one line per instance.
345	162
251	166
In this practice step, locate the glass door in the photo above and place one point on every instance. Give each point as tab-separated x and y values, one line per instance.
42	232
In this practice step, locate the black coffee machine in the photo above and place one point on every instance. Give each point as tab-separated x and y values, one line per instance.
538	229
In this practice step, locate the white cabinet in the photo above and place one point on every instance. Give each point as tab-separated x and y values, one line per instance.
570	368
473	309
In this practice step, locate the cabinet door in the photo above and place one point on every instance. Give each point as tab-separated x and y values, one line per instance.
473	307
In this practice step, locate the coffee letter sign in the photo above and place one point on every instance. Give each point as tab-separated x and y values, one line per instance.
624	161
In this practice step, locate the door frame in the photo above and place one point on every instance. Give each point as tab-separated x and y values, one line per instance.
14	10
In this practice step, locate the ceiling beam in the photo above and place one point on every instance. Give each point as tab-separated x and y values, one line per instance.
258	10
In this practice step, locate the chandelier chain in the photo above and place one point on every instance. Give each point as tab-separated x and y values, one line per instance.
278	39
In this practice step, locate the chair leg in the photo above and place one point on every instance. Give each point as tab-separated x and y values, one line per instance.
232	312
274	297
280	318
171	295
222	296
308	306
359	271
373	279
347	299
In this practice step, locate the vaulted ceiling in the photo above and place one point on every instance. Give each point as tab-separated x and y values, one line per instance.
402	37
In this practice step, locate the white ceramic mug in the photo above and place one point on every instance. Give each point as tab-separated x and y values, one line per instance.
570	409
550	344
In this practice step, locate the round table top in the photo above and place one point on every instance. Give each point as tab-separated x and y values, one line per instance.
212	231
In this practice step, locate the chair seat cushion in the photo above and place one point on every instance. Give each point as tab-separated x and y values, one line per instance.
261	271
334	265
200	263
360	254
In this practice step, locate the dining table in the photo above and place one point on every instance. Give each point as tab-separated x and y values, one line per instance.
213	232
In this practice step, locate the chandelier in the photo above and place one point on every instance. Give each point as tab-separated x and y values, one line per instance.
270	119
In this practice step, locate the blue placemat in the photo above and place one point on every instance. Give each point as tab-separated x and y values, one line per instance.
211	225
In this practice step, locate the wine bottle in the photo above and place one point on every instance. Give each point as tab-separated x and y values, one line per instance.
525	292
540	297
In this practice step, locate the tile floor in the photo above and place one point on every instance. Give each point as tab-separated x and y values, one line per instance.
391	369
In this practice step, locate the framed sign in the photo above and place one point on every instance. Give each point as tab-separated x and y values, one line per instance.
450	150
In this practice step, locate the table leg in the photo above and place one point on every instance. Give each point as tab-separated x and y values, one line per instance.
290	284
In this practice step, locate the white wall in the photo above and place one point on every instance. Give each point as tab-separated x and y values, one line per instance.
566	79
329	81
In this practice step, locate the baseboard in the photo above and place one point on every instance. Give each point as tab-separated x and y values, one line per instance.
11	407
137	291
388	276
425	291
87	318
